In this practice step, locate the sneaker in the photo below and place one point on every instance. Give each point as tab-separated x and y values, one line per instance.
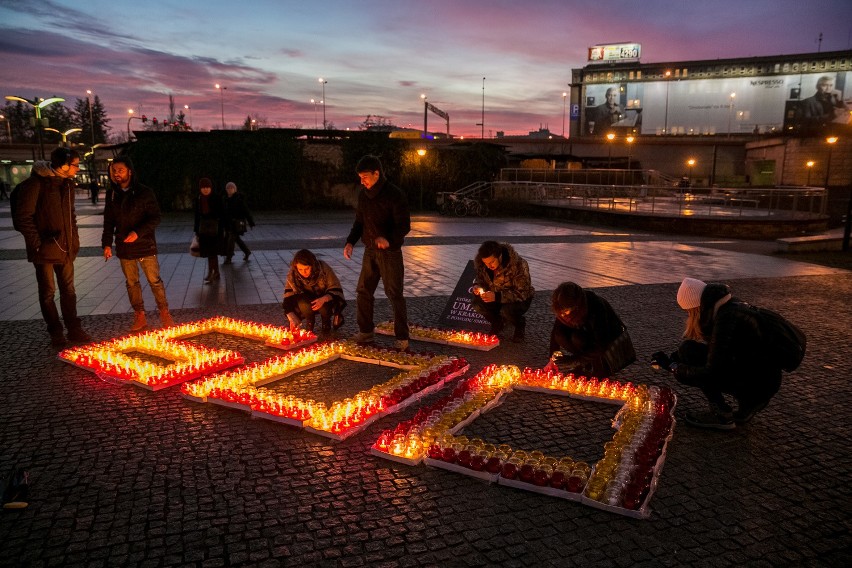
166	318
401	344
364	337
139	322
57	340
337	321
711	419
15	494
745	413
79	336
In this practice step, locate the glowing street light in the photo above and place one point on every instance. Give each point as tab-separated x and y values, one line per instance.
91	116
421	152
8	126
37	104
810	166
730	112
222	102
629	140
564	102
189	108
65	134
667	75
425	116
610	137
314	102
322	102
831	141
690	164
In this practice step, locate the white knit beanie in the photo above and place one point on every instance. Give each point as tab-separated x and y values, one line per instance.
689	293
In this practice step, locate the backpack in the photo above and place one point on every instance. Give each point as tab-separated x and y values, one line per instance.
783	341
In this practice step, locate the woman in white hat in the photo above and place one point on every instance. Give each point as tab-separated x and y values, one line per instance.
722	353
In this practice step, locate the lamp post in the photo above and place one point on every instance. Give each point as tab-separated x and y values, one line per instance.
91	116
222	102
189	108
322	102
629	141
831	141
482	124
8	126
564	102
421	152
65	134
314	102
131	117
37	104
668	74
610	137
730	112
690	164
810	166
425	116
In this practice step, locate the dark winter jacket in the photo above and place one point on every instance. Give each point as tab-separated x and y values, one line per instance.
208	224
126	211
510	282
45	216
734	341
322	281
382	211
586	342
235	209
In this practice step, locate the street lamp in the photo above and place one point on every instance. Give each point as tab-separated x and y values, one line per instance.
690	163
730	112
8	126
189	108
222	102
91	117
610	137
322	102
314	102
37	104
564	102
253	125
421	152
666	119
629	140
810	165
65	134
131	117
425	117
831	141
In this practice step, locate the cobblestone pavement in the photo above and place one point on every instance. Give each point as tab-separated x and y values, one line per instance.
121	476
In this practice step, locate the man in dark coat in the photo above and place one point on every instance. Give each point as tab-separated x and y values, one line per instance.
44	213
237	218
503	290
382	220
131	215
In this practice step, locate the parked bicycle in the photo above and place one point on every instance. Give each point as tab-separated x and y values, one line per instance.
452	204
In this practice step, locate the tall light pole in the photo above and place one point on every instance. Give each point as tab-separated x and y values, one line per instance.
421	152
324	123
91	116
610	137
629	140
810	166
189	108
690	164
564	102
314	102
668	74
730	112
65	134
482	134
37	104
425	119
8	126
222	102
831	141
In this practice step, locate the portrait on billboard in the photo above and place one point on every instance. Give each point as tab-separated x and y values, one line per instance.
611	107
828	106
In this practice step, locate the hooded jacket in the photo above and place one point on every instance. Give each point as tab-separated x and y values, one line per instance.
134	209
45	216
734	341
511	281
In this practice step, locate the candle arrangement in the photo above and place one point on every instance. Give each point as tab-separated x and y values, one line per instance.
112	360
243	388
623	481
458	338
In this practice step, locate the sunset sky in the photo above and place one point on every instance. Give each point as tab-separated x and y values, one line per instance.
378	56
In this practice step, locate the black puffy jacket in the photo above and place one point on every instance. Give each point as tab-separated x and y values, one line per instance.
45	216
125	211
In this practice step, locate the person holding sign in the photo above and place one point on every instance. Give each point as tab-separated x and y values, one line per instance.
503	290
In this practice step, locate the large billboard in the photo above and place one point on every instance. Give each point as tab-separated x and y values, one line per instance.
618	52
809	103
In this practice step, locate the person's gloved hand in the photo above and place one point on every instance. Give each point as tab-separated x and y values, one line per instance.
660	360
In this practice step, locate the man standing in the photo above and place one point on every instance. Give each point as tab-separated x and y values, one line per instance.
44	213
503	290
382	220
131	215
237	218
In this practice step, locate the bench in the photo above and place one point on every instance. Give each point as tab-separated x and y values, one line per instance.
809	243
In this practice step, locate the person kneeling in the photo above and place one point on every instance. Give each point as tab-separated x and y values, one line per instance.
588	336
502	288
313	288
721	354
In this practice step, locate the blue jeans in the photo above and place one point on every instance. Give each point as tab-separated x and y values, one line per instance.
67	296
387	266
151	268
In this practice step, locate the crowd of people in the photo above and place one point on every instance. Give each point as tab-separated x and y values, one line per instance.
718	354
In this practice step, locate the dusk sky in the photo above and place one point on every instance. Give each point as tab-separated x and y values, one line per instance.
378	56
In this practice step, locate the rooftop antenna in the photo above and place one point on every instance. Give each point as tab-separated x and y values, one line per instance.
819	43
